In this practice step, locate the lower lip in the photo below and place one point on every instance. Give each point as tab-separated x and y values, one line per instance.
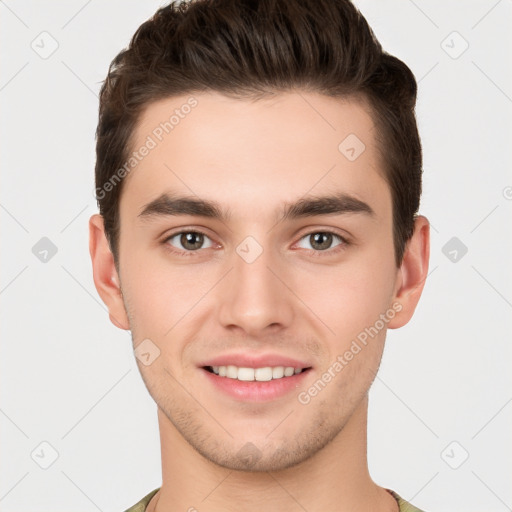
256	391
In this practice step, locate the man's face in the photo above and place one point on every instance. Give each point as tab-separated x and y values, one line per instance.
255	283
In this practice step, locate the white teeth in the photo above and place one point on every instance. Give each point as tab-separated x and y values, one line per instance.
244	374
278	372
231	371
263	374
289	371
260	374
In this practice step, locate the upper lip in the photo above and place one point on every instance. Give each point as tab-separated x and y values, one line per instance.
255	361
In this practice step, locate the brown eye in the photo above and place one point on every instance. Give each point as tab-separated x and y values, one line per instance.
192	241
321	240
188	241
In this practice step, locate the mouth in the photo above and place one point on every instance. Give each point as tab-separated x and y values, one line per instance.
256	385
263	374
255	377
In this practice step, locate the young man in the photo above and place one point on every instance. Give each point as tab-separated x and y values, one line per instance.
258	177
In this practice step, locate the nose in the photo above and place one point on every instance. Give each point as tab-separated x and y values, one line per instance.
254	298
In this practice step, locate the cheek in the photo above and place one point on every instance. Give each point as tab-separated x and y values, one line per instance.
161	294
350	296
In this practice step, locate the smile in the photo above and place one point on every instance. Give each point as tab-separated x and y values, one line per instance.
255	374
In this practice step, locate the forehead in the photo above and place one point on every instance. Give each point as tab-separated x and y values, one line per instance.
244	151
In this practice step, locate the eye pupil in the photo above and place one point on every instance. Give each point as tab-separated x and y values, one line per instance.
192	240
323	239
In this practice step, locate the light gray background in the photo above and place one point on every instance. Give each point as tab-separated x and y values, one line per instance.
68	376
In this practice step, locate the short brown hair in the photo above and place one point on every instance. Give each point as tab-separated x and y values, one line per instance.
249	49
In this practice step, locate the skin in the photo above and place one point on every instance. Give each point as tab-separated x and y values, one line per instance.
294	299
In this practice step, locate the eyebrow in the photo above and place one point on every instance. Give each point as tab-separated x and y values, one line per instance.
175	205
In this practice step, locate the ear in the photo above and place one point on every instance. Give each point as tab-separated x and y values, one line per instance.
412	273
105	274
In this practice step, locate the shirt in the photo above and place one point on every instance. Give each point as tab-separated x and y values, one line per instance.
403	505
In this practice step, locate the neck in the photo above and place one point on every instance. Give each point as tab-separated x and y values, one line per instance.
335	478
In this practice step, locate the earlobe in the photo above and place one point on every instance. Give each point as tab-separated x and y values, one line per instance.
412	273
105	274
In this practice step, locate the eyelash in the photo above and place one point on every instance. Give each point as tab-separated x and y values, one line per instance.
344	243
